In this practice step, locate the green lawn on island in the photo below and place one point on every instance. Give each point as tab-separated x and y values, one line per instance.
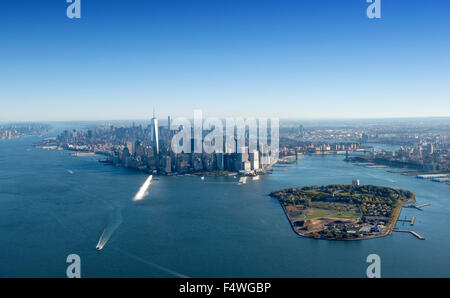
312	213
340	210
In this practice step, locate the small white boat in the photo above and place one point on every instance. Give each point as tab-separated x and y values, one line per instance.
242	180
203	178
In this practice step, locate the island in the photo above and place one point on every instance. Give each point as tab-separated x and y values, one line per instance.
343	211
149	149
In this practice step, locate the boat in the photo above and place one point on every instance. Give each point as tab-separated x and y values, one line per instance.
242	180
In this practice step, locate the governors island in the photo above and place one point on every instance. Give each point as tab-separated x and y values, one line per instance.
343	212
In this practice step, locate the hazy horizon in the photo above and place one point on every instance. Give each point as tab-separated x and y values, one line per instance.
163	119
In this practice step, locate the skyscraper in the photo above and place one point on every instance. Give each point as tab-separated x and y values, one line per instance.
430	148
155	136
220	161
254	159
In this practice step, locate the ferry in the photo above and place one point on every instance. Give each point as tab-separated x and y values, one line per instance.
242	180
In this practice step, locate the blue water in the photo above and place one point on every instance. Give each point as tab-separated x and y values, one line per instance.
53	204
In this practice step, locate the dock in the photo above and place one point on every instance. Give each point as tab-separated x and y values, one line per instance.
418	207
411	221
410	231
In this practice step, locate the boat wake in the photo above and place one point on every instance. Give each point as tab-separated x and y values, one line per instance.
142	193
116	216
114	222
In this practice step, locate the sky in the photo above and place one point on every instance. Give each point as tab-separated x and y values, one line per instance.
230	58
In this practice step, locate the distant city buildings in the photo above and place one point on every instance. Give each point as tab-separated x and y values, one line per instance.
288	147
422	156
12	131
421	146
149	149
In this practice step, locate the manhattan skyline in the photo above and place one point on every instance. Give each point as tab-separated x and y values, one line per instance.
301	59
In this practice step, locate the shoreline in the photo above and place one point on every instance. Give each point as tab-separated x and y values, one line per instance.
388	230
384	234
106	161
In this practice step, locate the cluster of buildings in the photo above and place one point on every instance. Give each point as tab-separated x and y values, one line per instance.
288	148
376	211
423	156
149	149
20	130
347	230
6	134
143	157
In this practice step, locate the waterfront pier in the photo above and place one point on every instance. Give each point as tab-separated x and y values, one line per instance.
418	207
411	221
410	231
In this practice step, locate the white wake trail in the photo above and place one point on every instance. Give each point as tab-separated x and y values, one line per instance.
143	190
114	222
116	217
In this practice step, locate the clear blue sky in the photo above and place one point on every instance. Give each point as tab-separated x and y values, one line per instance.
273	58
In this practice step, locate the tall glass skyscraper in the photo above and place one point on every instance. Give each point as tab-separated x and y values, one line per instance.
155	136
